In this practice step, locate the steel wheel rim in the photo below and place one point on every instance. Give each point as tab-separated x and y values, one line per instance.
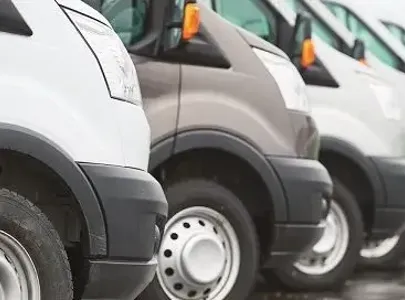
315	263
18	274
214	274
380	248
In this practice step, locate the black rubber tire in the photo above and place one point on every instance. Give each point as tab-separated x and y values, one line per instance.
211	194
394	260
293	279
26	223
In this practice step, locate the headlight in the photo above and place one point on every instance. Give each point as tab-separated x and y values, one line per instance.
385	96
117	66
289	81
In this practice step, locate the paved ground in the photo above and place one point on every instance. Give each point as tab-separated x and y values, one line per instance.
370	286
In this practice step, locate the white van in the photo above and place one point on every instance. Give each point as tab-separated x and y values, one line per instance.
80	215
380	253
359	119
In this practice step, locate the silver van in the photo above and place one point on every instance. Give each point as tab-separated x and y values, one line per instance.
376	253
359	119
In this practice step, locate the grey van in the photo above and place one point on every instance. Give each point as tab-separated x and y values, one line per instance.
359	119
233	145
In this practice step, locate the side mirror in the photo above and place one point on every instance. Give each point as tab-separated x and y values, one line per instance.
359	51
183	23
301	44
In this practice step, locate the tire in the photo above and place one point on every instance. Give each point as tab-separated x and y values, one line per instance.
28	239
387	259
294	278
194	198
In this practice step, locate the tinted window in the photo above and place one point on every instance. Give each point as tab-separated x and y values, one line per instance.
361	31
318	27
127	17
249	15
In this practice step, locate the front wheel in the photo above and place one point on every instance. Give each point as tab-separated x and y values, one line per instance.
210	248
33	261
333	258
384	255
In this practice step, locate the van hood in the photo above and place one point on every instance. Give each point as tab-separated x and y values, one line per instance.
80	6
255	41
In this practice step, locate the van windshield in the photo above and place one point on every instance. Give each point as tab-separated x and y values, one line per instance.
128	18
360	30
397	31
250	15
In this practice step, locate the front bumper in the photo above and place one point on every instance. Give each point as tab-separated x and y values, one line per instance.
390	218
307	188
135	211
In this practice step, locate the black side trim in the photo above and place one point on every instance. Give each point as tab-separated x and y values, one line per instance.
364	163
161	152
197	139
30	143
11	20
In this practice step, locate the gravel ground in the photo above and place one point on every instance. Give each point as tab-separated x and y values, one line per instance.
369	286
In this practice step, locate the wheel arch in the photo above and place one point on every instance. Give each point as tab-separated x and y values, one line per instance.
227	143
217	152
32	144
356	171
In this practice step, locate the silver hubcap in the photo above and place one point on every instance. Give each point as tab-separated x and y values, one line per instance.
199	256
18	275
379	249
329	251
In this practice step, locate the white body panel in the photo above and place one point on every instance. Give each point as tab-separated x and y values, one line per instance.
55	88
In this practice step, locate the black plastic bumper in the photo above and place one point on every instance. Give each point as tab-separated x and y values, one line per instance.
388	220
290	241
114	280
135	211
307	188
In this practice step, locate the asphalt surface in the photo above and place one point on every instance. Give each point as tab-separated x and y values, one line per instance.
363	286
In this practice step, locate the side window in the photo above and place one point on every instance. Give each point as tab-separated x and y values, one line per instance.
127	17
373	43
319	28
249	15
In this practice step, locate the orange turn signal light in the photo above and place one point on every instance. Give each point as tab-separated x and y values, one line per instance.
308	53
363	61
191	22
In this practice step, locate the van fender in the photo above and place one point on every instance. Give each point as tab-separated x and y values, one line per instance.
230	143
28	142
353	154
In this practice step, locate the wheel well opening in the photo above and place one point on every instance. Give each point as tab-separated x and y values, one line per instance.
230	171
354	178
42	186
